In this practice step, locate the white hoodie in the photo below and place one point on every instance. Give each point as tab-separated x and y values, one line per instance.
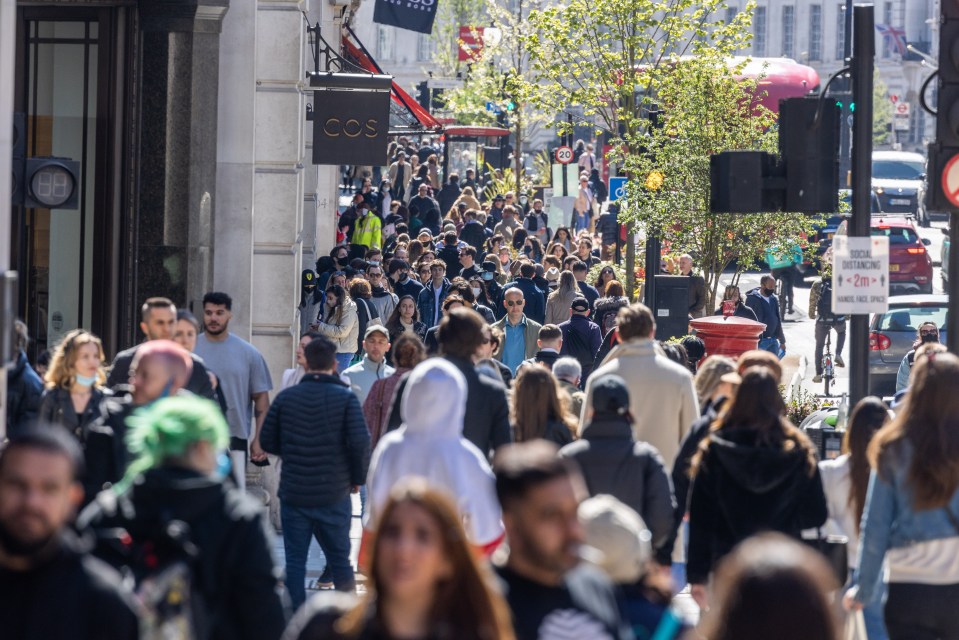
430	445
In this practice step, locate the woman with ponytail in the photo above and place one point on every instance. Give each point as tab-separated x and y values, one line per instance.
176	498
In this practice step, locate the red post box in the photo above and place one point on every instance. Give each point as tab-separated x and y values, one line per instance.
728	336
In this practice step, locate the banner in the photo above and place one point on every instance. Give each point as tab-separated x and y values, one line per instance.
351	118
470	44
415	15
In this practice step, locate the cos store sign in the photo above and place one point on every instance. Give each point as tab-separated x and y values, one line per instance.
351	118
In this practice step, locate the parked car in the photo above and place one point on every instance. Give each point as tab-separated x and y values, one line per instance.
891	336
823	233
910	265
899	181
945	259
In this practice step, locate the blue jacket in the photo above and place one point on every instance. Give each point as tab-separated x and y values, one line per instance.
426	302
535	308
767	313
317	428
890	521
24	390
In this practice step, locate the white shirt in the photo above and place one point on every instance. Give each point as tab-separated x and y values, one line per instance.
437	311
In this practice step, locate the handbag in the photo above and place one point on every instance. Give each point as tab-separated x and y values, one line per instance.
834	549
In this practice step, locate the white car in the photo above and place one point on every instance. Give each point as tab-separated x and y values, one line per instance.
899	181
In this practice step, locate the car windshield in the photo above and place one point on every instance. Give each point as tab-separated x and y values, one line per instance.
910	318
896	170
896	235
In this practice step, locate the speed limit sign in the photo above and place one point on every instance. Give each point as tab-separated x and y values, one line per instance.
564	155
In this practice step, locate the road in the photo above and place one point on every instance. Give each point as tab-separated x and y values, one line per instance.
799	328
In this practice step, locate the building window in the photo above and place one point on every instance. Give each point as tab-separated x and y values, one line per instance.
815	32
759	32
731	13
424	49
887	43
384	43
841	31
789	21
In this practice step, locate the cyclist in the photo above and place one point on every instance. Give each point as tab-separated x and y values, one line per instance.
820	309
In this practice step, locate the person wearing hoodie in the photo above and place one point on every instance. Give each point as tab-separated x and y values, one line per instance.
381	298
764	303
430	444
662	399
754	472
311	301
341	324
178	476
614	463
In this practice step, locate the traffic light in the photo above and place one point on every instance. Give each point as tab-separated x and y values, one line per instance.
809	147
42	182
845	102
423	95
946	145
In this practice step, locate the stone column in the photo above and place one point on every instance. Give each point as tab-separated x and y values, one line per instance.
178	147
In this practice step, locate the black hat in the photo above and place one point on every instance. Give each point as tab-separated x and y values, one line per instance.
579	304
610	395
308	278
490	266
498	197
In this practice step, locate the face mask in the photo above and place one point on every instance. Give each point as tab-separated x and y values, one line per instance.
930	338
477	291
223	465
404	278
86	381
487	275
768	292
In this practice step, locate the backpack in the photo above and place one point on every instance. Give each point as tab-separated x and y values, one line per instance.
824	306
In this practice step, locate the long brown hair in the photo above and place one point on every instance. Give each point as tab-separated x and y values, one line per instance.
868	416
537	400
758	407
62	370
929	420
466	606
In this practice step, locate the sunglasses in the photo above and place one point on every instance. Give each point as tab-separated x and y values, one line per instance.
375	274
515	303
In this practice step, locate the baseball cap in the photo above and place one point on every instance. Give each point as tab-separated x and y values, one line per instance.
308	278
619	534
489	265
610	395
580	304
376	328
552	274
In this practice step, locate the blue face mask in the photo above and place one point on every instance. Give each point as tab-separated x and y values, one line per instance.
86	381
487	275
224	464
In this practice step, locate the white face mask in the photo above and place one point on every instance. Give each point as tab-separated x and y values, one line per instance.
477	291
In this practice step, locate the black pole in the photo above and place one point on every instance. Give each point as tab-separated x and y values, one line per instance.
864	52
952	318
653	257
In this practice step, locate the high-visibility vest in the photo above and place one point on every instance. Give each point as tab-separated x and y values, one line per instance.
368	232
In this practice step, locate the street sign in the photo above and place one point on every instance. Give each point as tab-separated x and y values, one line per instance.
902	109
444	83
950	181
617	189
564	155
492	106
900	123
860	282
571	179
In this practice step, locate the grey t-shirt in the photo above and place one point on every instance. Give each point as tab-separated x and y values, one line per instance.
242	371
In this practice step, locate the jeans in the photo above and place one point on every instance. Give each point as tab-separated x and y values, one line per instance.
331	526
822	330
770	344
343	360
922	611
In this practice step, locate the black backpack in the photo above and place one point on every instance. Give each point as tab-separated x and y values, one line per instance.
824	306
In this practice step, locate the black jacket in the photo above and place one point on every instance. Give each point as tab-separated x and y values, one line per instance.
451	256
236	574
547	358
317	428
684	459
767	313
199	383
35	603
613	462
447	196
411	287
24	390
742	311
742	488
475	234
486	423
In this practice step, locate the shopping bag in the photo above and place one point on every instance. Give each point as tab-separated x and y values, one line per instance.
855	626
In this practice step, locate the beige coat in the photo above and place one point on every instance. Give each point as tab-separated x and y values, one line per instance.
662	398
557	306
346	333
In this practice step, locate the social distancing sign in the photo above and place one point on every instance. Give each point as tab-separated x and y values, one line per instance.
860	281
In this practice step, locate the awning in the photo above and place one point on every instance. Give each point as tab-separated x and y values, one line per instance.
406	114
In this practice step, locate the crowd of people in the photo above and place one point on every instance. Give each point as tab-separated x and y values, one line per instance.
527	459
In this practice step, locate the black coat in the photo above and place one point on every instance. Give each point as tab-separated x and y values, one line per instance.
613	462
743	487
447	196
412	287
742	311
199	383
34	603
317	428
486	423
475	234
24	391
236	573
684	459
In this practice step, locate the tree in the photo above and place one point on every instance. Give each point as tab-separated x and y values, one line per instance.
619	58
450	16
881	111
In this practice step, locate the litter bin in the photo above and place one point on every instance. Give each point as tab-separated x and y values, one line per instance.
730	336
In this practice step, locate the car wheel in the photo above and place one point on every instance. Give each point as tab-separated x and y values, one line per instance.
925	288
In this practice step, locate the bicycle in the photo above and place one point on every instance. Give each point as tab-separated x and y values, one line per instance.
828	367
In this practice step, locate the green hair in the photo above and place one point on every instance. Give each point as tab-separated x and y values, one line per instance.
168	428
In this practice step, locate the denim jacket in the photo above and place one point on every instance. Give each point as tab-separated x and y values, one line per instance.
890	521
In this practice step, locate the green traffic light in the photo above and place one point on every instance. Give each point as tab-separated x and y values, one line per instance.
852	107
510	105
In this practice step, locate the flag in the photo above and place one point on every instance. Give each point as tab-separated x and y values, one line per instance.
894	35
415	15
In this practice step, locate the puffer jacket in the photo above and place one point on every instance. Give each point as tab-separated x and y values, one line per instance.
24	390
613	462
317	428
345	333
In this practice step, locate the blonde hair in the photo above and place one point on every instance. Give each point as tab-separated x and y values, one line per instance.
62	370
708	376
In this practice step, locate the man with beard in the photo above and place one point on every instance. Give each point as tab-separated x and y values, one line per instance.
551	593
244	379
51	589
158	322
